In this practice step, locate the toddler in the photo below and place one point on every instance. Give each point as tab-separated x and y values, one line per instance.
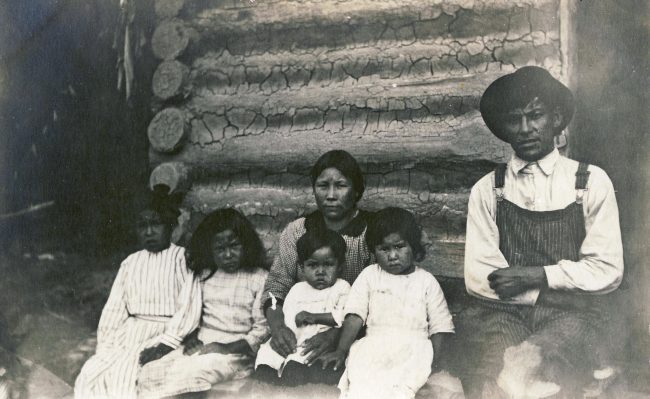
404	310
311	306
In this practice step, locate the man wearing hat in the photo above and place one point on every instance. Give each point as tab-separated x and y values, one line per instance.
543	244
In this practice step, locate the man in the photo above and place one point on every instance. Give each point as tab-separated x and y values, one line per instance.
543	244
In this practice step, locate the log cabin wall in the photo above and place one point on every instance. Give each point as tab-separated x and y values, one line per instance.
250	93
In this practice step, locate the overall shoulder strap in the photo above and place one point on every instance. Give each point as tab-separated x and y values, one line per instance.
499	180
500	175
582	177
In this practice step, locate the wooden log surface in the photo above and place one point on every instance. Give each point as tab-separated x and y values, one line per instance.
170	39
175	175
168	8
170	79
214	143
167	130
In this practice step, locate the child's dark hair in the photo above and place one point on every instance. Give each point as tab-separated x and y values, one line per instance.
163	203
253	253
314	240
395	220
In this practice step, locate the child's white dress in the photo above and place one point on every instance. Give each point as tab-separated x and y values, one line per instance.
154	299
401	312
304	297
232	310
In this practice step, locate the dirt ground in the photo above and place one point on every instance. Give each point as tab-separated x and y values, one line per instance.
52	302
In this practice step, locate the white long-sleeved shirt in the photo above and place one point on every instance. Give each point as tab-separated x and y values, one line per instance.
548	184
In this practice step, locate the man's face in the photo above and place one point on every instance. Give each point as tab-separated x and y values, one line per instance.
531	130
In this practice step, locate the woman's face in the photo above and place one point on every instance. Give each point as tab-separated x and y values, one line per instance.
335	194
226	251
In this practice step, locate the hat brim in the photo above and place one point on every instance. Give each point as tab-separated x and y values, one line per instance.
517	90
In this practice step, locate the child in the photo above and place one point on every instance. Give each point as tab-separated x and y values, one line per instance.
228	255
152	306
311	306
404	310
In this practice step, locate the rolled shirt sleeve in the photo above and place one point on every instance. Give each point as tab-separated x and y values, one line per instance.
600	267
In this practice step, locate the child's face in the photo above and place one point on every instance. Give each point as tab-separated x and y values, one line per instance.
395	255
321	268
153	233
226	251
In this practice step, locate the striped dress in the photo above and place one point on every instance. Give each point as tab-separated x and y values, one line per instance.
155	299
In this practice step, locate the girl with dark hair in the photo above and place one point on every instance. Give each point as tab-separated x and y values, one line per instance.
338	185
229	259
154	303
404	310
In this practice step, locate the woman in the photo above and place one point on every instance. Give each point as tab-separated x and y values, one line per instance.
338	185
154	303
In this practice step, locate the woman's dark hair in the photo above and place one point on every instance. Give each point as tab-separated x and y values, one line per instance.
395	220
314	240
346	164
253	254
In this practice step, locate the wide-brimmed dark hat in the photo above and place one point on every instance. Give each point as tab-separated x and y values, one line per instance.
517	89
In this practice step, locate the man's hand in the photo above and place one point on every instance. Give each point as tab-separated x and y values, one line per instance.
321	343
336	358
513	281
154	353
305	318
283	340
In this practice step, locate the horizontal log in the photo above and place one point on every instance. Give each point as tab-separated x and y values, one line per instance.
170	79
276	26
167	130
438	95
170	39
377	64
175	175
295	142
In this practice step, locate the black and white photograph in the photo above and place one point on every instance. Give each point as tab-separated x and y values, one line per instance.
322	199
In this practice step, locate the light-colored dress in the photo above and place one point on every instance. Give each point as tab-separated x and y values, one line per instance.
401	312
154	299
304	297
232	310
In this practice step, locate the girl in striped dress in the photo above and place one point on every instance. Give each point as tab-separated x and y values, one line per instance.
229	257
154	303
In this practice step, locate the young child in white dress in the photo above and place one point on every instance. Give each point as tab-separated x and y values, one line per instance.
404	310
311	307
228	255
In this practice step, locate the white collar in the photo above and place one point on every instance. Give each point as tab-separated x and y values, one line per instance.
546	164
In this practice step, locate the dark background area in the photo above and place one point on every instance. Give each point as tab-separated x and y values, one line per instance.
68	135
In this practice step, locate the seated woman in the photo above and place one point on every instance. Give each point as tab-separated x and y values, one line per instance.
229	257
153	305
338	185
